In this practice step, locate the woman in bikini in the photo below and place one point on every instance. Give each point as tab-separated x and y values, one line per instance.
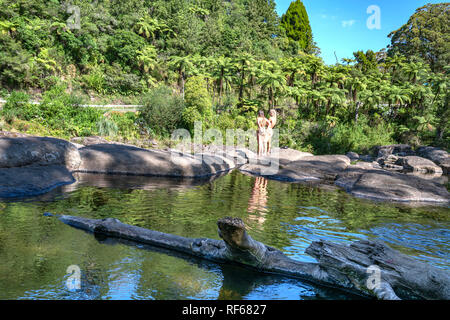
269	131
262	132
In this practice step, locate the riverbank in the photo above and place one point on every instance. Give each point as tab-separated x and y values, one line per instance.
34	165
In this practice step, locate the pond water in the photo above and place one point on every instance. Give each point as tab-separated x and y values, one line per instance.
35	251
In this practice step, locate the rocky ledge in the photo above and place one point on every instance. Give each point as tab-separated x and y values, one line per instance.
34	165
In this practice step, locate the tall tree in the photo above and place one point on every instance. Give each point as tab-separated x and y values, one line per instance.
426	34
296	23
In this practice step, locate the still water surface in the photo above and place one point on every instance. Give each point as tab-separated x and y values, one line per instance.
35	251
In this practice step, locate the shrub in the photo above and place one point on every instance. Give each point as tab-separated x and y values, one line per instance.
198	102
162	112
126	123
342	138
18	106
107	127
95	80
118	81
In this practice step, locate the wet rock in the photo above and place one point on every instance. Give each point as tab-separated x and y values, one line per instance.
44	151
418	164
32	180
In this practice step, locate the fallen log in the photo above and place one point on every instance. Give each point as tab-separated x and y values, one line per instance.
339	266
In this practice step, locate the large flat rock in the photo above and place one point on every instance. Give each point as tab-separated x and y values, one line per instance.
122	159
32	180
383	185
308	168
44	151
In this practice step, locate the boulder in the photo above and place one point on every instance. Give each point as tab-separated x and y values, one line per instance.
396	149
32	180
391	186
308	168
123	159
366	158
418	164
438	156
387	159
393	167
353	156
291	154
44	151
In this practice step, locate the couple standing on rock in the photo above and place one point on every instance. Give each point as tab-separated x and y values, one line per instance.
265	131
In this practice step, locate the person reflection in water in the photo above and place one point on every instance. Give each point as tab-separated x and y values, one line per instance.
257	204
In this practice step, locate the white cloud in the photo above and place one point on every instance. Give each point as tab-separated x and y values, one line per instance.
348	23
327	16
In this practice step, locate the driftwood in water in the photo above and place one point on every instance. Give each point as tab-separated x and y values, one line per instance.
339	266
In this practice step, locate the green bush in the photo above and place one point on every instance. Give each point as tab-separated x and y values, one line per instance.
107	127
116	81
198	103
162	112
18	106
95	80
126	124
342	138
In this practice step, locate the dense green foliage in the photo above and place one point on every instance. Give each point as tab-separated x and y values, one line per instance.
426	35
220	62
162	112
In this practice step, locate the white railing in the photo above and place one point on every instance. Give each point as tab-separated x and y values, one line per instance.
129	107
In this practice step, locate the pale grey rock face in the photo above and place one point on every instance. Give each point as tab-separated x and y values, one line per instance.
122	159
438	156
308	168
24	151
418	164
353	156
382	185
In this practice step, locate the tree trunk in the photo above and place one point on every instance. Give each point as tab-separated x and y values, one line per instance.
241	87
358	104
221	86
344	267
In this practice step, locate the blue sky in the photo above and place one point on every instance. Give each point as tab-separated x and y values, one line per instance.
341	25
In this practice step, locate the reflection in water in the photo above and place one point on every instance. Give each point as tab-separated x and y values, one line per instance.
258	201
35	251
